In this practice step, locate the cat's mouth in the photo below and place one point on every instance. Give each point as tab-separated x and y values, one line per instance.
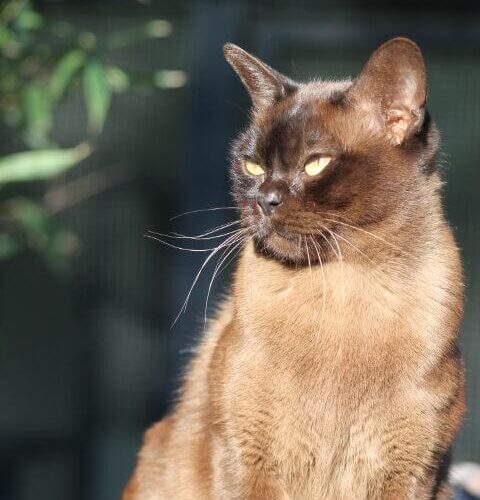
280	242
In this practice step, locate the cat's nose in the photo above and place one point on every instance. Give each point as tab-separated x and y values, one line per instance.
269	197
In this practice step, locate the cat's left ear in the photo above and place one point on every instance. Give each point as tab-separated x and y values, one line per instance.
392	88
264	84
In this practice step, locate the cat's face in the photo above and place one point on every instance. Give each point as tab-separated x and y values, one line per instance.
321	158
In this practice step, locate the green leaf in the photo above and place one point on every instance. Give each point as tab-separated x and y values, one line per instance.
64	72
38	115
10	10
97	95
37	230
34	223
118	80
87	40
32	218
170	78
5	35
158	28
41	164
29	20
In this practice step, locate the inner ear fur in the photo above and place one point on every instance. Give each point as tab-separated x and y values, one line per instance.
264	84
392	89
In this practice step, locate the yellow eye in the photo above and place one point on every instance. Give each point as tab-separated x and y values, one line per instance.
315	166
253	168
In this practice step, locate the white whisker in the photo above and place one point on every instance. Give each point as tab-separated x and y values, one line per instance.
184	249
370	234
213	230
355	247
310	269
179	236
323	279
234	246
225	243
339	254
336	243
203	210
175	235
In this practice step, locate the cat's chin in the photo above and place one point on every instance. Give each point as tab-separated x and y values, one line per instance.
282	248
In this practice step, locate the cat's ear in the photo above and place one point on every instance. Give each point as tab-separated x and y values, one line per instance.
263	83
392	89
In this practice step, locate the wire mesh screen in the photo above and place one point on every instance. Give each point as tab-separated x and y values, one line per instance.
88	359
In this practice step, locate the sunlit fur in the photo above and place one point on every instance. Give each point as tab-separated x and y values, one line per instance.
332	369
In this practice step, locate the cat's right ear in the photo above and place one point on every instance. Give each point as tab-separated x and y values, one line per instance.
265	85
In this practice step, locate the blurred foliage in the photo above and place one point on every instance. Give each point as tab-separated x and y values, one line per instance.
41	63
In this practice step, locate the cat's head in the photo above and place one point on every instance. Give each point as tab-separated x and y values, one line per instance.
321	158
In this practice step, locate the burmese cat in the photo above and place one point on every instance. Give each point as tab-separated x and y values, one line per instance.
332	370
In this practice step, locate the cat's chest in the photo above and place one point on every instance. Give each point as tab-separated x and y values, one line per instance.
322	436
315	304
318	382
324	449
331	325
322	370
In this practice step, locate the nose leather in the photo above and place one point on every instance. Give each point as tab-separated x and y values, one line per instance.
269	197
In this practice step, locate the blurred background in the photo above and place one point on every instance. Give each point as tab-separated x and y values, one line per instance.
116	116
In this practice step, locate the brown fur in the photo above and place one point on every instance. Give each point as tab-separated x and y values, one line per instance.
325	377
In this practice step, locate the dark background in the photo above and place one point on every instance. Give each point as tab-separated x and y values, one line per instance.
87	358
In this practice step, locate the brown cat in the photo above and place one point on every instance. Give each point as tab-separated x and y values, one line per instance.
332	371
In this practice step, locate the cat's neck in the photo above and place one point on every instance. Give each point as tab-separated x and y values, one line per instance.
396	276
